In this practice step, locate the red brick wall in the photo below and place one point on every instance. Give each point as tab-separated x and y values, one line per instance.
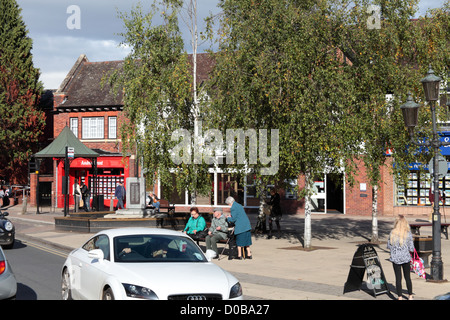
358	202
33	181
110	145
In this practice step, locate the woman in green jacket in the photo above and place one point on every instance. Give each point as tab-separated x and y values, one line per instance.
195	224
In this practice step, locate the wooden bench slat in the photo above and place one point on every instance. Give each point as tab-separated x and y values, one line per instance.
415	227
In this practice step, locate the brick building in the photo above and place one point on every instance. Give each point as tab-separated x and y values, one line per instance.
93	113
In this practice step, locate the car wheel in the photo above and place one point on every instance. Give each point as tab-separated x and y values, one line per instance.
65	285
108	294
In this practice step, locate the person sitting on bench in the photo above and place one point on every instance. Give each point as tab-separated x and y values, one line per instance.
217	231
195	225
154	201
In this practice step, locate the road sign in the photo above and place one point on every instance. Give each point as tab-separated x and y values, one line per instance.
442	166
70	152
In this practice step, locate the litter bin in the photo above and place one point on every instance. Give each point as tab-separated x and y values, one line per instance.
98	202
424	248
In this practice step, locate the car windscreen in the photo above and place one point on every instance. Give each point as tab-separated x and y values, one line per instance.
156	248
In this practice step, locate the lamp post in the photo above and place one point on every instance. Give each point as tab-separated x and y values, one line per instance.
410	115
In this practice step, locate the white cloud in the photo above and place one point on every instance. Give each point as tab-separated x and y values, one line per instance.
52	80
57	54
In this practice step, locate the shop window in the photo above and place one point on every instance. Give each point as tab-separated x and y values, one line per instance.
106	183
291	192
93	128
169	192
207	199
251	186
251	192
416	191
229	185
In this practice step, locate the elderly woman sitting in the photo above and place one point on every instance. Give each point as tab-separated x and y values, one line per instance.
195	224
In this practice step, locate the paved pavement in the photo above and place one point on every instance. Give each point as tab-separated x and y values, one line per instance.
281	269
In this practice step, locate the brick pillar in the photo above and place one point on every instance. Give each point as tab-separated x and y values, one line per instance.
33	183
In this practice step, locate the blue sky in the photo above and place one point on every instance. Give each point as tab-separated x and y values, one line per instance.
56	45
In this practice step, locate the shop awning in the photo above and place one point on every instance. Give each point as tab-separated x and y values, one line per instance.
57	149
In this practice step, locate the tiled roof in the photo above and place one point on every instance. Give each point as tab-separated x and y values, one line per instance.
85	84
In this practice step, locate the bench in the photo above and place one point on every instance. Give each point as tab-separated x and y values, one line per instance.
415	228
160	216
165	205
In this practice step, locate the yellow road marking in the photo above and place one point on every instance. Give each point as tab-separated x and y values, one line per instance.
44	248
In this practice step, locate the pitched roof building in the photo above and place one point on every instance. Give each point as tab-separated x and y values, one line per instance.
86	104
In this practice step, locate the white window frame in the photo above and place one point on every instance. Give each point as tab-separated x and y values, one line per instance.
112	127
74	126
93	127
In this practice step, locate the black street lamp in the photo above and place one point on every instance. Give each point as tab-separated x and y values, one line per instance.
410	111
410	114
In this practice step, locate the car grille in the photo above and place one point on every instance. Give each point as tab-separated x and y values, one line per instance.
195	296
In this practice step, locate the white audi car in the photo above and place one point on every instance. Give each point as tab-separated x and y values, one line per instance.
144	263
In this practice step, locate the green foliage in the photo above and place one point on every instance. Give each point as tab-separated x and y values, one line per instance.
311	69
157	84
21	123
392	60
279	67
318	73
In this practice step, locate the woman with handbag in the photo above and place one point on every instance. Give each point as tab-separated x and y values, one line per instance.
196	225
401	245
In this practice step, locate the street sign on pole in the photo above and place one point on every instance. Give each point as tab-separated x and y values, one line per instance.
442	166
70	152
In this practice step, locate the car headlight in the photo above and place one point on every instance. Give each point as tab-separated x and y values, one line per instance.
8	226
236	291
134	291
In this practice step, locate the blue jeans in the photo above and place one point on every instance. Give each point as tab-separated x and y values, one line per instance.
86	200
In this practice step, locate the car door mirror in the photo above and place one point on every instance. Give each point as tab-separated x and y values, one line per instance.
210	254
96	254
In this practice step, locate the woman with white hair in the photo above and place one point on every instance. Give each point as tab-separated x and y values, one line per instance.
242	227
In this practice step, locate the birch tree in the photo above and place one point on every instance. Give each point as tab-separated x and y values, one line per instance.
389	60
279	67
158	96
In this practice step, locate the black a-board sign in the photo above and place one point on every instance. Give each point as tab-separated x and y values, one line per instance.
366	259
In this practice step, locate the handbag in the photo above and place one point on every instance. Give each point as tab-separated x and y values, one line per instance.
417	265
203	233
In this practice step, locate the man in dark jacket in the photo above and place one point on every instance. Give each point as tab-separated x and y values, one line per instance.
120	195
86	194
275	213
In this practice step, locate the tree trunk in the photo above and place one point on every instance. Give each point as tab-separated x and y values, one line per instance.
374	238
307	234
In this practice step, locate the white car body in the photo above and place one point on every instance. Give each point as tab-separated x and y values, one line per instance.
88	274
